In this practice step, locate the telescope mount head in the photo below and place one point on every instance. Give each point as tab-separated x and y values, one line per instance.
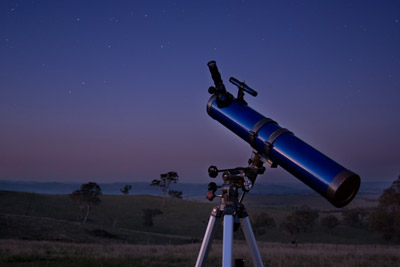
236	178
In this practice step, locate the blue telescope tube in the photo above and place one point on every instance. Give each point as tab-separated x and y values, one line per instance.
281	147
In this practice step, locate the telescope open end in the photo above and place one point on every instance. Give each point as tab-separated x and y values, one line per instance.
343	188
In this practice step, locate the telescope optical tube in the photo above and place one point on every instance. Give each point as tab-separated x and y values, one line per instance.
281	147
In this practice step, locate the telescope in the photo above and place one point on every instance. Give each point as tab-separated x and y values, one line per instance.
279	146
271	144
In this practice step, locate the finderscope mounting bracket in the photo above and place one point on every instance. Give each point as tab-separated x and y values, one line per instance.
242	87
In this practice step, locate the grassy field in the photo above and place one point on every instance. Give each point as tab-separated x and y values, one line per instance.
182	218
43	253
46	230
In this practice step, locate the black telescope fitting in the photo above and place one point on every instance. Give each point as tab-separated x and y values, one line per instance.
216	76
242	86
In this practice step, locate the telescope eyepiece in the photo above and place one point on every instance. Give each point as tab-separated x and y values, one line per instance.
216	76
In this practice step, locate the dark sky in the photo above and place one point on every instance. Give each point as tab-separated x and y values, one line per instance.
117	90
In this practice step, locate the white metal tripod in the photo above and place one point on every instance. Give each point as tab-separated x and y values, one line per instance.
230	209
228	240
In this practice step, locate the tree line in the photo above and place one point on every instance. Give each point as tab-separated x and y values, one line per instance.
385	218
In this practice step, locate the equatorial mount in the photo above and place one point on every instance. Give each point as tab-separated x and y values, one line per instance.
241	177
231	209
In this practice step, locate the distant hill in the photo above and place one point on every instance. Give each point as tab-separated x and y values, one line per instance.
190	191
32	216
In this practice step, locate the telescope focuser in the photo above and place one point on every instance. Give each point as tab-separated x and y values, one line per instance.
224	98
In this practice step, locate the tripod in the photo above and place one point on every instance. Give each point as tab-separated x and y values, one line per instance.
232	211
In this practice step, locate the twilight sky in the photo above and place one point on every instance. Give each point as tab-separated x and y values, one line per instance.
117	90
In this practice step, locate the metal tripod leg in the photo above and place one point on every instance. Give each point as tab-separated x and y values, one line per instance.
227	241
251	242
207	240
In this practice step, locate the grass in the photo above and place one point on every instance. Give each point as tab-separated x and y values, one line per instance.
36	228
46	230
43	253
187	215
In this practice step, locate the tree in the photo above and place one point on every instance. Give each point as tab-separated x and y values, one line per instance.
386	217
290	227
126	189
299	221
330	221
86	197
262	221
148	215
175	194
350	217
354	217
165	180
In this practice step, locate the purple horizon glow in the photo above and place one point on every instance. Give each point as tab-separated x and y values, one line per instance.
117	90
